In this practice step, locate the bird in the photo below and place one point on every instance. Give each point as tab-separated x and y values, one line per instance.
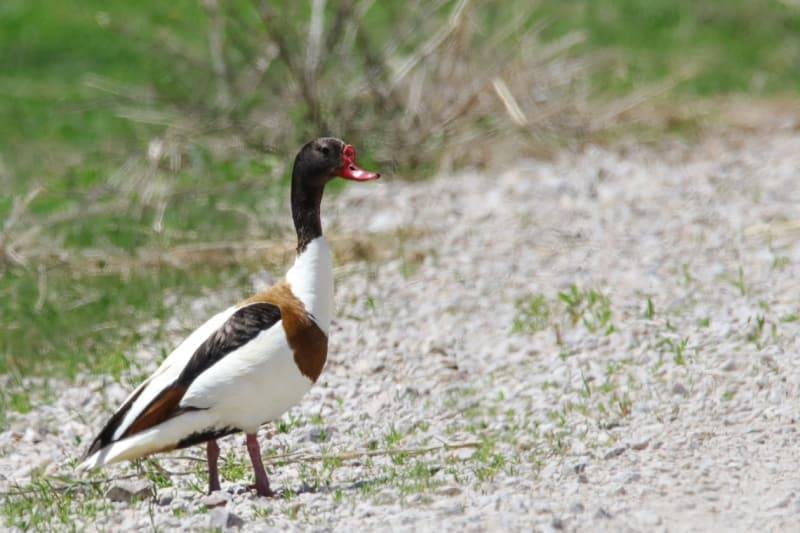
250	363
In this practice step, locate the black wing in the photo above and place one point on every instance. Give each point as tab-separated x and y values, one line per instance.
242	327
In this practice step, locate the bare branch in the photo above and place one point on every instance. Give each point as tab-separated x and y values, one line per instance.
344	12
8	240
430	46
295	69
316	26
216	45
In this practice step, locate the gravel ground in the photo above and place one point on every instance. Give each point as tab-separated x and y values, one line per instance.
605	341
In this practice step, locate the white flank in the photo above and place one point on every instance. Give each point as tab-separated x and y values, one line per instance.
171	368
311	280
252	385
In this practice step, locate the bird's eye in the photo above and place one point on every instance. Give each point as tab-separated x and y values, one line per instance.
325	150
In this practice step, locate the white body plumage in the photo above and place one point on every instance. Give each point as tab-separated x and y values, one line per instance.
256	383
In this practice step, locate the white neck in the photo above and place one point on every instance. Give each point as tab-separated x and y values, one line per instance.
311	280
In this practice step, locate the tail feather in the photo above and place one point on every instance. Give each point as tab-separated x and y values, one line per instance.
105	437
164	437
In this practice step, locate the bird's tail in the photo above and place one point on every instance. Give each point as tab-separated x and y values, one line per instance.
163	437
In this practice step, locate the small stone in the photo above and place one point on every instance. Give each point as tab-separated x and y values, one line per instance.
641	444
315	434
577	508
785	501
648	518
127	491
215	499
602	514
449	508
239	489
31	436
166	497
615	452
464	454
222	518
557	523
185	494
777	395
525	443
449	491
385	497
418	499
729	365
679	389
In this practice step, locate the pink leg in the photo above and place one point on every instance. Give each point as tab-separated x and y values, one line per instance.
262	483
212	453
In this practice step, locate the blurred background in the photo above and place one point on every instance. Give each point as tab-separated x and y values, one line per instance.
144	146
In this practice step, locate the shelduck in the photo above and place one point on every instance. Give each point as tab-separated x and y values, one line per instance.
253	361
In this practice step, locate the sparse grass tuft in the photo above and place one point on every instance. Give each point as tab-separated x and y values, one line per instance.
737	281
489	461
263	512
649	309
533	314
757	330
677	347
590	307
287	423
44	504
587	307
155	474
393	437
233	467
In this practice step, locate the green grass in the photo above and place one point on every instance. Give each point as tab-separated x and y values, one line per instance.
590	307
733	46
80	317
576	306
51	119
100	196
533	314
44	504
234	468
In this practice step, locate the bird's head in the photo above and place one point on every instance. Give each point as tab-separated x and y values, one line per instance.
323	159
